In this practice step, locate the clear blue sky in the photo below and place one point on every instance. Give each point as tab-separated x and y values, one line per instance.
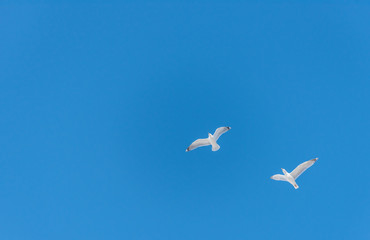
98	103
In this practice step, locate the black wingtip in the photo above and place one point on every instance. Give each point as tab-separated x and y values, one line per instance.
229	128
187	150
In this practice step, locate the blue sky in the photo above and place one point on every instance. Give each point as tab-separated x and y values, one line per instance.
98	103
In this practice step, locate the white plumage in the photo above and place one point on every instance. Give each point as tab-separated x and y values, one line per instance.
291	177
211	140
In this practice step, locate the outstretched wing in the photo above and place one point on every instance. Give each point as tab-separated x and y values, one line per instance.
279	177
219	131
302	167
198	143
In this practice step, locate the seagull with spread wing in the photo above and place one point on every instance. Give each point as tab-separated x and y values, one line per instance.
291	177
211	140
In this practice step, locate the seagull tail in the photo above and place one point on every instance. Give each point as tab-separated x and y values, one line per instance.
215	147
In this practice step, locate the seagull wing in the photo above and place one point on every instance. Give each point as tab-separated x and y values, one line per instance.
219	131
279	177
302	167
198	143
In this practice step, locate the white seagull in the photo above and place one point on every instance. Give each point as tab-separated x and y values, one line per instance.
291	177
211	140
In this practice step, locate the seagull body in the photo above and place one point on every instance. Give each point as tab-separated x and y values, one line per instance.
291	177
211	140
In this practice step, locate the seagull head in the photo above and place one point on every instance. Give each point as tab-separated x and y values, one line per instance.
209	135
284	171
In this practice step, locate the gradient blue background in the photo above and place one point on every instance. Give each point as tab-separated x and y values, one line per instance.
98	103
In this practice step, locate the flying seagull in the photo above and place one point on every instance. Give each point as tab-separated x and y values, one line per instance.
291	177
211	140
